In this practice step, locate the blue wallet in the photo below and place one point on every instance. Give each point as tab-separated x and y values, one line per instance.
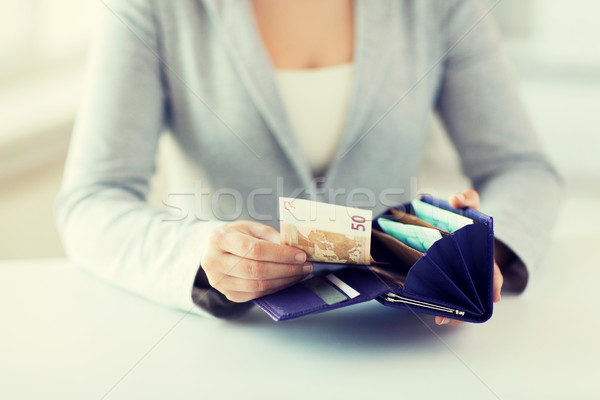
453	278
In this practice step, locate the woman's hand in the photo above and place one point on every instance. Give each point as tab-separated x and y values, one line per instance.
244	261
470	198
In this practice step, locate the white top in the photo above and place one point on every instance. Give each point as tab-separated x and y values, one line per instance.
316	102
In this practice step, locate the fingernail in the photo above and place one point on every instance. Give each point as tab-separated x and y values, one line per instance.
461	197
301	257
444	321
307	268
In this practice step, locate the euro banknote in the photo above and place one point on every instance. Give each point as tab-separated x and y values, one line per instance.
326	232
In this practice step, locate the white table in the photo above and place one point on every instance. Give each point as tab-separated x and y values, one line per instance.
65	335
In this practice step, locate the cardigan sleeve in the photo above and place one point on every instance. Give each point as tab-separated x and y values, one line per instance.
106	225
484	116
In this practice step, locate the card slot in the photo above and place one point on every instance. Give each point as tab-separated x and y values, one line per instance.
419	238
448	219
294	301
410	219
399	250
392	255
327	292
471	213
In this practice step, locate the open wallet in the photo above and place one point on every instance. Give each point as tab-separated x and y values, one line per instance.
453	278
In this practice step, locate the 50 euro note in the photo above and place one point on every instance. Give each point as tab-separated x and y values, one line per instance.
326	232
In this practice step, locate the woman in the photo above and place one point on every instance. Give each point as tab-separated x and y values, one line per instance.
266	96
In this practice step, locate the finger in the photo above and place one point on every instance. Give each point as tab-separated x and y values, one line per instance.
447	321
466	198
241	297
235	284
260	270
246	246
262	231
498	282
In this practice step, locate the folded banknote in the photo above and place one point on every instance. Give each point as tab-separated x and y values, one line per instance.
440	218
417	237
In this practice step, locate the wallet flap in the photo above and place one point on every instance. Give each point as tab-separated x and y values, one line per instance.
466	258
324	291
427	279
446	259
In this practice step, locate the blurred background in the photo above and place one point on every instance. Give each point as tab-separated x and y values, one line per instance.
552	43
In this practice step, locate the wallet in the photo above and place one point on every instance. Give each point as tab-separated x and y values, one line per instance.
453	278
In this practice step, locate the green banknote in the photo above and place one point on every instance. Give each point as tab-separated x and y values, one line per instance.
417	237
440	218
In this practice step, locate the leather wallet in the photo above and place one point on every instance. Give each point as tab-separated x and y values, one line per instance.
453	278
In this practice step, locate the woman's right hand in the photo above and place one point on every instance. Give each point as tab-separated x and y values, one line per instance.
244	261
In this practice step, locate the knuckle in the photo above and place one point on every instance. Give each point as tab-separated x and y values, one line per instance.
240	224
214	280
208	262
256	269
217	236
210	257
294	270
255	250
261	286
267	231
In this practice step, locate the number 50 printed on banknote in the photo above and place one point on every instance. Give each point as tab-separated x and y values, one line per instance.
326	232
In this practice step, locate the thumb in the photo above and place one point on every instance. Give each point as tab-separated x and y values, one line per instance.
466	198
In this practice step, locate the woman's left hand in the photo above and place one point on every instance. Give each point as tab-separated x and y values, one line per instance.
470	198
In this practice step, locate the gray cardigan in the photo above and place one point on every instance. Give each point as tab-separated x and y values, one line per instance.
198	69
